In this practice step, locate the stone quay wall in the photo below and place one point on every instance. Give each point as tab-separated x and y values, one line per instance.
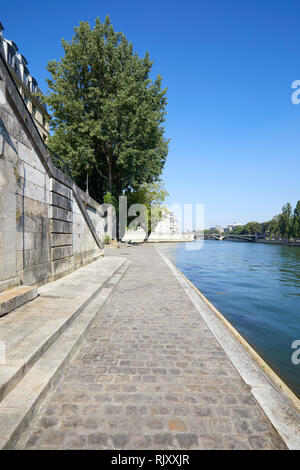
48	226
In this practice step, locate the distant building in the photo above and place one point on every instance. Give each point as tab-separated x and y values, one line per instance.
168	224
166	230
169	229
217	228
229	228
26	84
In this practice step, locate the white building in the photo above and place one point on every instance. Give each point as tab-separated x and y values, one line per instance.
229	228
168	230
168	224
27	85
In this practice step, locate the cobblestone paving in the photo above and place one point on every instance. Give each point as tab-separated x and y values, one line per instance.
150	374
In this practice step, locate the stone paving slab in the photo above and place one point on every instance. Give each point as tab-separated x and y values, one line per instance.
30	330
150	375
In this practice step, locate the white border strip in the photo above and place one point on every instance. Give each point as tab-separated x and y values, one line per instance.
277	407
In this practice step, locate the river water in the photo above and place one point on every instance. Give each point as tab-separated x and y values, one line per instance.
257	288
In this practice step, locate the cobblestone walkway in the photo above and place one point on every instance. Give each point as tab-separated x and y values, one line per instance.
150	374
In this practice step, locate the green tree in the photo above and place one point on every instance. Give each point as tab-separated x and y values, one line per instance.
237	230
296	221
285	220
153	196
271	226
251	228
108	114
108	198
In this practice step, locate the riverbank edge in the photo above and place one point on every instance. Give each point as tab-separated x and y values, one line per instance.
266	242
277	400
278	242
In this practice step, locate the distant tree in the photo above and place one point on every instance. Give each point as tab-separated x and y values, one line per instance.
285	220
297	209
237	230
251	228
296	221
296	229
108	114
286	224
271	226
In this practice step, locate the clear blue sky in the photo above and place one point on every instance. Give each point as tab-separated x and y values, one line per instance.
228	66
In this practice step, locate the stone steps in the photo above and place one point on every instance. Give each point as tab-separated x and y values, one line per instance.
14	298
35	358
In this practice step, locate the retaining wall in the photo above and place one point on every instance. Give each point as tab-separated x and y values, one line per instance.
48	226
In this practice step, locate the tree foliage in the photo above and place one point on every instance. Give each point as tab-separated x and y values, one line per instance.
237	230
285	220
153	196
108	114
286	224
148	194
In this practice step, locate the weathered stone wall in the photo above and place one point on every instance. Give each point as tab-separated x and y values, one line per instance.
48	226
83	243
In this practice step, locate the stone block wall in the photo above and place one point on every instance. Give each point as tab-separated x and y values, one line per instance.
48	226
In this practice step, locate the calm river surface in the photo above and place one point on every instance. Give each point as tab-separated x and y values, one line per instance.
257	288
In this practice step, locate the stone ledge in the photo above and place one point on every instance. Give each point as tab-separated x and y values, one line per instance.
14	298
31	330
9	283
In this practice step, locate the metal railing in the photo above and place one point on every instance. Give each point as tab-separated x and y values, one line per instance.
59	162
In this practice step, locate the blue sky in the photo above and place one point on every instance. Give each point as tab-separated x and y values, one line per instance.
228	66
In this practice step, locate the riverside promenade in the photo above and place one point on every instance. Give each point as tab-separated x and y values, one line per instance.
150	375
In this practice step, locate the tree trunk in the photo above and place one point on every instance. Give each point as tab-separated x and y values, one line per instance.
109	178
119	187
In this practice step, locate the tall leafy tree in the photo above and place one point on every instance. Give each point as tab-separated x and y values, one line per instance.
238	230
251	228
108	114
271	226
285	220
296	221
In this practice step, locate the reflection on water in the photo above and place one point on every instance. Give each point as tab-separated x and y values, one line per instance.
255	286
